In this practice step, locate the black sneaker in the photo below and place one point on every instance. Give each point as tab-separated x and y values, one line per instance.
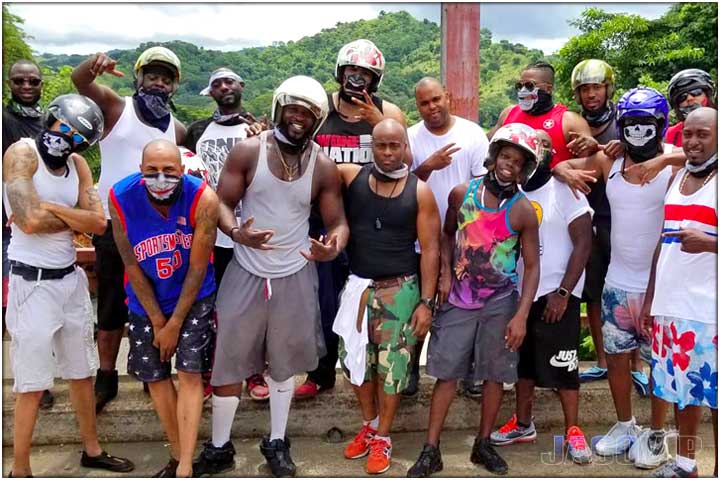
47	400
472	389
169	470
277	454
105	461
106	388
483	453
412	386
214	460
429	462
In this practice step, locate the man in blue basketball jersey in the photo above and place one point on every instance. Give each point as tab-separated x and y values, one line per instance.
164	224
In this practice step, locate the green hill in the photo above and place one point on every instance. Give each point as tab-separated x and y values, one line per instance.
411	48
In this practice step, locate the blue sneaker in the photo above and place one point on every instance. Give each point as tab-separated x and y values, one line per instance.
641	382
593	373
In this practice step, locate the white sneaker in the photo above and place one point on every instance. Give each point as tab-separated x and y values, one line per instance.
618	439
649	451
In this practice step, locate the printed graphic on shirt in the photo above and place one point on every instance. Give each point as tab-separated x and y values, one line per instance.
213	152
347	148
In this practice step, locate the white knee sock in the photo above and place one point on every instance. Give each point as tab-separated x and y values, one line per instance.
223	413
281	394
686	463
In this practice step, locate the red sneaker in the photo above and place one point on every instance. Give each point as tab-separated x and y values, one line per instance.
379	459
309	389
360	445
257	388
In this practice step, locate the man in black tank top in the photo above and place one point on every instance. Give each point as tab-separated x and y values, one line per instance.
346	137
387	209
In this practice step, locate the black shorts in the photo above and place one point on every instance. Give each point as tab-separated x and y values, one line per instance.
195	347
221	259
597	265
112	311
549	353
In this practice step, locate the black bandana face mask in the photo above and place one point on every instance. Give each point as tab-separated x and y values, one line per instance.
599	116
641	141
500	189
354	86
154	107
535	102
54	148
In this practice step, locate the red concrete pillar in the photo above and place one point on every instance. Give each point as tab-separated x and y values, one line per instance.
460	57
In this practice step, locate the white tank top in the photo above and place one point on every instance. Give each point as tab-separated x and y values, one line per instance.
46	250
686	283
636	215
280	206
121	150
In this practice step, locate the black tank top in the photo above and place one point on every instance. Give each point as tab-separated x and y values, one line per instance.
390	251
346	142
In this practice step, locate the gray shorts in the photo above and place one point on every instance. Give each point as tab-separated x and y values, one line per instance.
278	324
471	343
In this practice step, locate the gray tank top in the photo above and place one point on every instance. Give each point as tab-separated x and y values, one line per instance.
283	207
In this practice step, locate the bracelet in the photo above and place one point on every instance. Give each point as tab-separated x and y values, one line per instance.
232	230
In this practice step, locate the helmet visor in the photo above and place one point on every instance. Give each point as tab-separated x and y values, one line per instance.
285	99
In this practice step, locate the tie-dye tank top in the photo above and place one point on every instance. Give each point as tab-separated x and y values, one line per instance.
486	251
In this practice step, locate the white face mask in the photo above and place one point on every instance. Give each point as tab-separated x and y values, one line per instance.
395	174
527	98
161	186
640	134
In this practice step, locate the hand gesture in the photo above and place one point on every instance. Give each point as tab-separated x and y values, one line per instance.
421	320
647	170
613	149
692	239
442	158
254	127
369	112
575	179
251	237
515	333
554	308
582	145
323	250
104	64
166	340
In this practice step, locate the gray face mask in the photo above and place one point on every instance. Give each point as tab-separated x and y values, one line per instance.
395	174
700	170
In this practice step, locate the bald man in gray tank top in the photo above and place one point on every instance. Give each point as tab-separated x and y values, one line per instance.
267	302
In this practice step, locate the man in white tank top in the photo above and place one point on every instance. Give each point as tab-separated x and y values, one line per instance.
49	193
636	210
680	308
267	306
130	124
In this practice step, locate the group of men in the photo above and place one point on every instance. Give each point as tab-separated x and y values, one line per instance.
332	231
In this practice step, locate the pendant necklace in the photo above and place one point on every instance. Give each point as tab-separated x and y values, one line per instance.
378	221
687	174
290	172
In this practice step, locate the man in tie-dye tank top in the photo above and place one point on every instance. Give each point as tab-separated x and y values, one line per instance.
481	322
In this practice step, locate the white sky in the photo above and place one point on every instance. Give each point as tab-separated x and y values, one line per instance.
85	28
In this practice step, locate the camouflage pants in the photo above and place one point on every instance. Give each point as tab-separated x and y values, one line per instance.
392	345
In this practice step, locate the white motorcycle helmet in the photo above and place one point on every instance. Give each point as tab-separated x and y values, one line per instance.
304	91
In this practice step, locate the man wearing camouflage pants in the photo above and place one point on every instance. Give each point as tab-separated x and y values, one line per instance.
388	209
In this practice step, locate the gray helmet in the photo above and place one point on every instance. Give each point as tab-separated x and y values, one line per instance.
80	113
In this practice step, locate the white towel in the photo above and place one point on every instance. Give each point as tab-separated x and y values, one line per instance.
345	325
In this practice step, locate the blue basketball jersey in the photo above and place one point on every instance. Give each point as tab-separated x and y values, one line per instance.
161	245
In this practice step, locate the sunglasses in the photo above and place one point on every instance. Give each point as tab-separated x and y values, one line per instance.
77	138
695	92
528	85
33	82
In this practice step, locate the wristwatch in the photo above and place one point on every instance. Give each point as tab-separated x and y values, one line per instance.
563	292
428	302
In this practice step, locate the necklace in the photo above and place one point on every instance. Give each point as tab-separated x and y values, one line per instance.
378	219
707	179
289	171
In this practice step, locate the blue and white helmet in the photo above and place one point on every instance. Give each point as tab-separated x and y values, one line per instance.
643	102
